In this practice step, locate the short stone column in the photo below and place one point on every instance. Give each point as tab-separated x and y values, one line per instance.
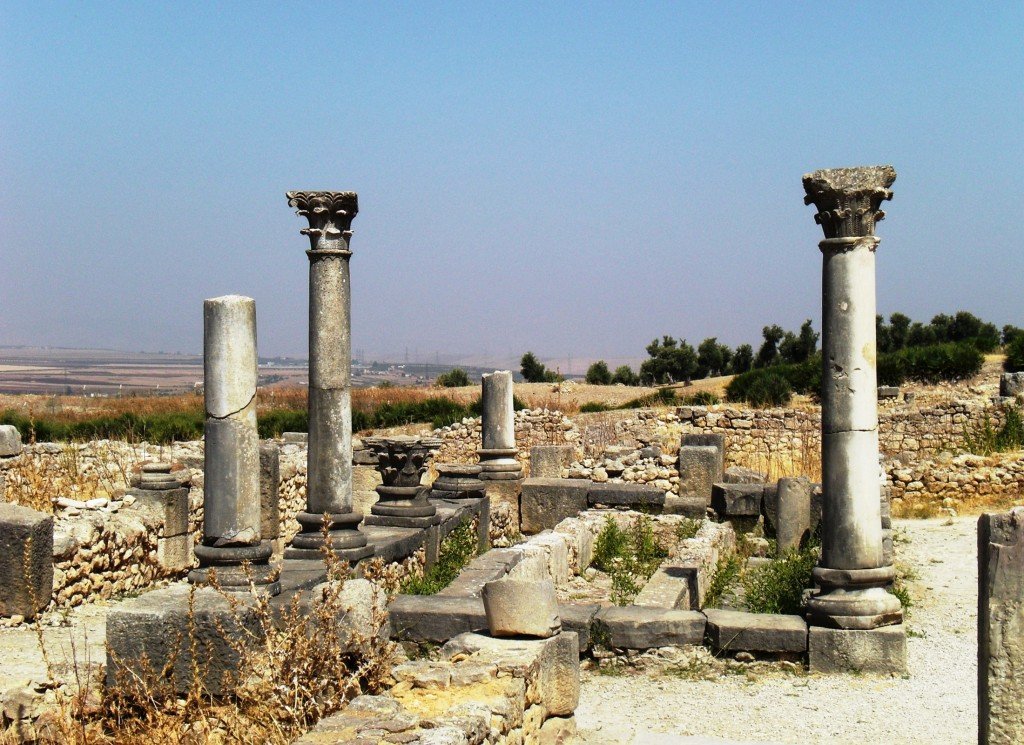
231	472
1000	628
498	425
164	493
852	573
457	481
403	498
329	454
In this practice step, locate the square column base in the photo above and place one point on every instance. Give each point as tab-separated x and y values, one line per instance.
882	650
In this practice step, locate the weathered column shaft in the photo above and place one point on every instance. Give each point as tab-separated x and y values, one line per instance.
329	454
852	573
329	466
852	534
498	415
231	514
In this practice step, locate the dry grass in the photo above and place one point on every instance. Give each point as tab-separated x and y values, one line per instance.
36	479
295	669
782	461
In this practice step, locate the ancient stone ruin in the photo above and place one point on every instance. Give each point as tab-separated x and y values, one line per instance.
532	498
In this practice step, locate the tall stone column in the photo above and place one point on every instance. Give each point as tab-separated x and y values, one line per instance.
329	458
498	425
852	573
231	481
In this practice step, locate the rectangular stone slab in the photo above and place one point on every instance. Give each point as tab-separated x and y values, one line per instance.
673	585
625	495
546	502
736	631
737	500
160	625
633	627
433	618
26	560
578	617
882	650
1000	634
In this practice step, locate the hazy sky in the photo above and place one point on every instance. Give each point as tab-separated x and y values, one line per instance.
571	178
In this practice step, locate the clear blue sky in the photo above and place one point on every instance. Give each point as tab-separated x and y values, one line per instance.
570	178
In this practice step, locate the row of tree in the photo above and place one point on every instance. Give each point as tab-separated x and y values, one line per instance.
672	361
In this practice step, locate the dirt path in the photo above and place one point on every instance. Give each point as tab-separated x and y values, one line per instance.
935	703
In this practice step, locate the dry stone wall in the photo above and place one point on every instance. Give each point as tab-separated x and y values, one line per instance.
533	427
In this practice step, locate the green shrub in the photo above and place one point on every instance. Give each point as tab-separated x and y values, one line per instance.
661	397
983	438
628	556
775	385
701	398
593	406
457	550
455	378
778	586
930	364
599	374
688	528
725	577
1014	361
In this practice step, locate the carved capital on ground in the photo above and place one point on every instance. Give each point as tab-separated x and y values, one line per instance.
330	215
402	461
848	199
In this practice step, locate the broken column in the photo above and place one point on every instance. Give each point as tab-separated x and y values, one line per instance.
852	572
329	454
231	472
498	425
1000	632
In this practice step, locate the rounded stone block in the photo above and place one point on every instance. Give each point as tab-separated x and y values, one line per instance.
1011	384
229	354
521	608
10	441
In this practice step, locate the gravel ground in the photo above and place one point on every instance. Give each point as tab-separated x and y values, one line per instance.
935	703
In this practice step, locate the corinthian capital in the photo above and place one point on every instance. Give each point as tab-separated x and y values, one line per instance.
330	215
848	199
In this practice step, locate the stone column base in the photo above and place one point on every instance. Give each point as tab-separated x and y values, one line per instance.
226	563
854	599
882	651
347	542
402	521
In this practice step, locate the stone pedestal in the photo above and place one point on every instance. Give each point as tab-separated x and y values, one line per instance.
232	545
26	560
165	493
329	454
457	481
403	499
882	650
498	424
270	494
852	573
793	513
1001	627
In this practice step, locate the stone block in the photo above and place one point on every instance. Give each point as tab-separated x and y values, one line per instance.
26	560
578	617
1011	384
633	627
270	491
433	618
688	505
742	475
10	441
521	607
175	553
700	466
580	541
736	631
296	438
547	461
737	500
160	627
168	505
888	392
625	495
556	551
673	585
882	650
550	667
505	492
548	501
704	440
1000	631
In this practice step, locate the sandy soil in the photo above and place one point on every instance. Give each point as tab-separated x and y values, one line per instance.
935	703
